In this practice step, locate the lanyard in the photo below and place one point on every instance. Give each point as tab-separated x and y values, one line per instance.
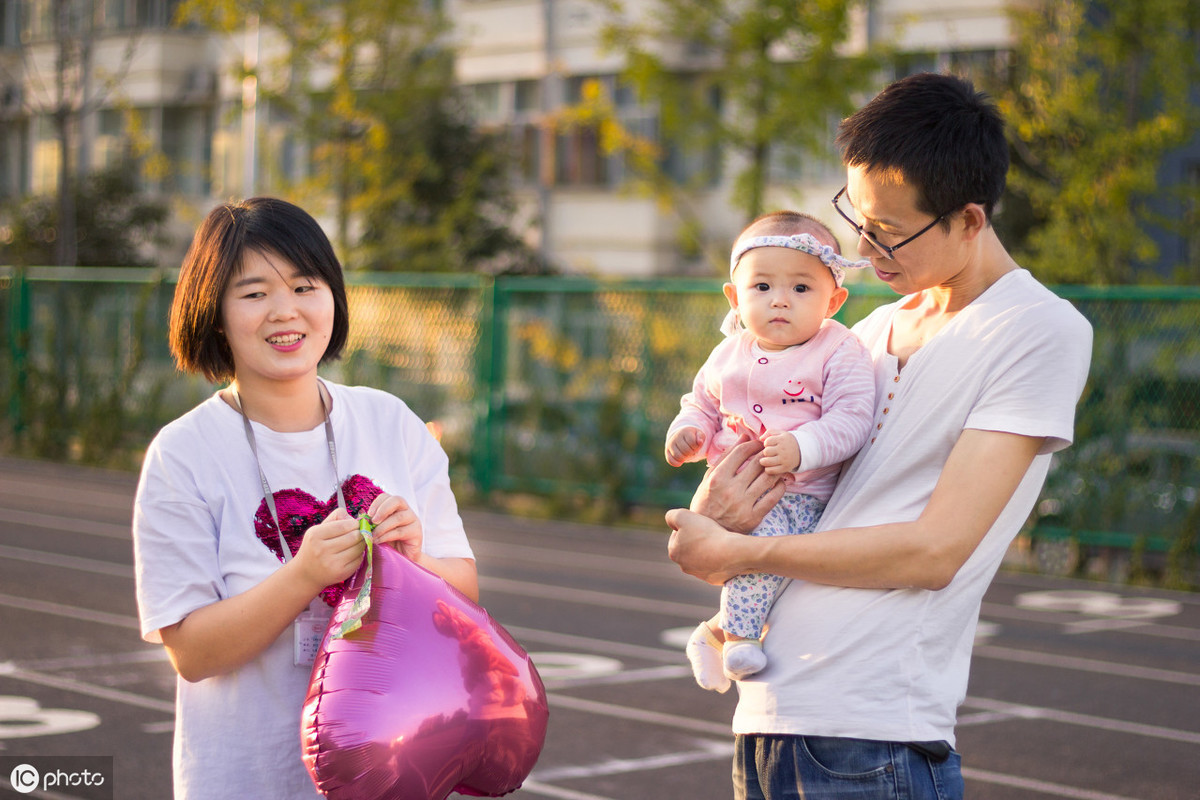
267	495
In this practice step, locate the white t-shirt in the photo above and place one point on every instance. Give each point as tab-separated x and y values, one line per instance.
892	665
238	735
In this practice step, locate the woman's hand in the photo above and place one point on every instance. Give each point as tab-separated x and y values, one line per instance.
396	522
330	551
738	492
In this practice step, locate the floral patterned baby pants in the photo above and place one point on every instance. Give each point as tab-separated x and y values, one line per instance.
746	600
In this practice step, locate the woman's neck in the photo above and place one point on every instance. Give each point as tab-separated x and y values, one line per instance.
284	407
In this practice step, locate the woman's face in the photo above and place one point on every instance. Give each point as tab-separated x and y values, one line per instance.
277	322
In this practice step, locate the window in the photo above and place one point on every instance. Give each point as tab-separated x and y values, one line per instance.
974	64
525	147
112	14
43	177
10	23
110	140
37	24
696	162
1191	217
185	143
579	158
486	106
14	166
528	97
791	163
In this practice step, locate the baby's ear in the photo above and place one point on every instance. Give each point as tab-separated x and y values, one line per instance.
731	295
836	300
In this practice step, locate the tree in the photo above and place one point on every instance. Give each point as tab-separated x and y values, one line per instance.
74	91
1099	92
755	81
371	84
436	190
115	224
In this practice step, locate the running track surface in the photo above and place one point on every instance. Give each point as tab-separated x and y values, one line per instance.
1078	690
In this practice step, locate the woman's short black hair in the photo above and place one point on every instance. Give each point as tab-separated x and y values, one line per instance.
261	224
940	135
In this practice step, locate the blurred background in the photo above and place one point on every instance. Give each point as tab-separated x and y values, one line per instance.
534	201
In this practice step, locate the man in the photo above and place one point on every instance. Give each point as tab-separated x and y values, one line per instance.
978	369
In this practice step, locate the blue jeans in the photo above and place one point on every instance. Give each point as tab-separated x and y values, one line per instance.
825	768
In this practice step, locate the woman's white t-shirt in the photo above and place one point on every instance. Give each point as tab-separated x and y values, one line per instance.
238	735
892	665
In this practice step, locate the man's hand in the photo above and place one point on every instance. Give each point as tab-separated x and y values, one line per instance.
685	444
738	492
701	547
781	453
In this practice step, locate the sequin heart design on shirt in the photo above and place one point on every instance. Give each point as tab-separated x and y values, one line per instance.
298	511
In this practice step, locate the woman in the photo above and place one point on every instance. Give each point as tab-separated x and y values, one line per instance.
245	518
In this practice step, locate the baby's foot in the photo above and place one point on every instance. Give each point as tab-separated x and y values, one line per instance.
704	651
743	658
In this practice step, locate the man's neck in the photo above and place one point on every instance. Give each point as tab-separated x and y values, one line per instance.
990	264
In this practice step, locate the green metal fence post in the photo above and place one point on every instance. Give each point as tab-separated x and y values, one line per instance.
489	360
18	339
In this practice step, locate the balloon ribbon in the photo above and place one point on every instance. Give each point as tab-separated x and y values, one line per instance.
362	603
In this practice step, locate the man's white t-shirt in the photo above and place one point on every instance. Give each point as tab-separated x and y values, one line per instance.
892	665
238	735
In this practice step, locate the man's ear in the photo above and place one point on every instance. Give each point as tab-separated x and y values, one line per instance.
975	220
836	300
731	295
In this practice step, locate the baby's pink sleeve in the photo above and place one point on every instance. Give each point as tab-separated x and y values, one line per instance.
847	408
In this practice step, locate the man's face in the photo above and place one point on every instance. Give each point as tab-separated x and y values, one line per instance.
886	207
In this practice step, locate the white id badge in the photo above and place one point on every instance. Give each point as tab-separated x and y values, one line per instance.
308	631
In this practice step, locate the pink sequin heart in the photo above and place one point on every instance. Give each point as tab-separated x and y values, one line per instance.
298	511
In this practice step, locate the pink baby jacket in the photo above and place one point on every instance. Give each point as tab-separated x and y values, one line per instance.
823	391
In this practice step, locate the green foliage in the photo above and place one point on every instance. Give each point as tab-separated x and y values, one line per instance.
94	387
743	80
114	222
435	189
413	186
1100	92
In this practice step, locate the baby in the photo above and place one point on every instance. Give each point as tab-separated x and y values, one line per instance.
793	378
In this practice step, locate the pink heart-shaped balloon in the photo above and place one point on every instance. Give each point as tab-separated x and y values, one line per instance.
429	696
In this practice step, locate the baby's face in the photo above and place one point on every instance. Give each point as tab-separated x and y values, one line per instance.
783	295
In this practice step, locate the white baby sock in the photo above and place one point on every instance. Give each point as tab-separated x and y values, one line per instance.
704	651
743	658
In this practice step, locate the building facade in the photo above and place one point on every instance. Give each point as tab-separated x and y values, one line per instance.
140	84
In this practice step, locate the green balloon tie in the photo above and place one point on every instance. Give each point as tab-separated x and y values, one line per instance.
362	603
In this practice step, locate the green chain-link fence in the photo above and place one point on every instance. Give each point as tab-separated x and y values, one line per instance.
564	387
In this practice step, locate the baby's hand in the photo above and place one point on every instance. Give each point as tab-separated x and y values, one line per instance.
781	453
685	444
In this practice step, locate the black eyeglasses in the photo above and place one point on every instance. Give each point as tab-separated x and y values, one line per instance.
884	250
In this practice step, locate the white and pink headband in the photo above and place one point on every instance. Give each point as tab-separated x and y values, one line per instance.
805	243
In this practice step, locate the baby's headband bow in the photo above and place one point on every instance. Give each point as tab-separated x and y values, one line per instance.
805	243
